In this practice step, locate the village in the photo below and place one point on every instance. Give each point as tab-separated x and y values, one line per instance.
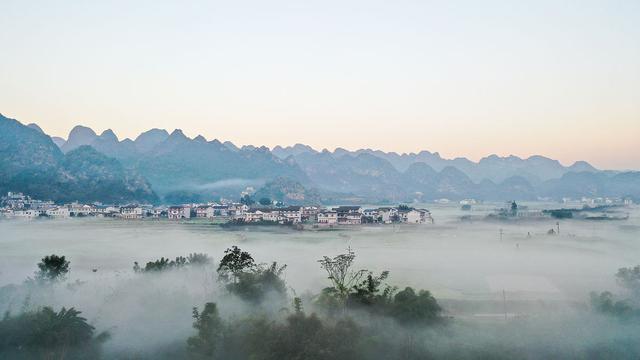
20	206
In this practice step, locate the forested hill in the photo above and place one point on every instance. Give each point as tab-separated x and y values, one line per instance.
30	162
87	166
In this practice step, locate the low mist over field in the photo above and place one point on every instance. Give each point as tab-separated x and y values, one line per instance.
522	294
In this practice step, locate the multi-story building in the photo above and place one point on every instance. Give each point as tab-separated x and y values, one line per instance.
131	212
204	211
291	214
179	212
253	215
309	213
349	215
327	218
58	212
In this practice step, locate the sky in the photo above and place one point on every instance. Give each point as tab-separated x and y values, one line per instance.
463	78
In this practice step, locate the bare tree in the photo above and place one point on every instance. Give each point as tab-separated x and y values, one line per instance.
340	273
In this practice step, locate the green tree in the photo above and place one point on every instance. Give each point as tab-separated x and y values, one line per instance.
161	264
247	200
514	208
303	336
411	308
265	201
210	328
255	283
233	263
200	259
370	291
629	278
52	268
46	334
604	303
342	277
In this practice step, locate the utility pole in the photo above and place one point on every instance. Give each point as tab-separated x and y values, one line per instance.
504	304
558	226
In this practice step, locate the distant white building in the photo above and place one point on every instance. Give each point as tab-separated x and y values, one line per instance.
273	216
204	211
26	213
253	215
291	214
310	212
131	212
158	212
107	211
77	209
413	216
387	215
58	212
349	215
179	212
371	215
327	218
220	210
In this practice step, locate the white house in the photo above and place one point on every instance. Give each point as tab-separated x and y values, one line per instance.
327	217
253	215
415	216
204	211
310	212
349	215
77	209
291	214
273	215
131	212
58	212
179	212
26	213
387	215
220	210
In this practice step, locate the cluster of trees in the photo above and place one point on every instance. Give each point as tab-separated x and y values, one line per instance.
44	333
162	264
299	336
334	329
357	316
363	290
606	303
329	333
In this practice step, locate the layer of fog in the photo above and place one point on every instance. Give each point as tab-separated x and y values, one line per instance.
467	266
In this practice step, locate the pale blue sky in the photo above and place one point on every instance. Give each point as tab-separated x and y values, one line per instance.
465	78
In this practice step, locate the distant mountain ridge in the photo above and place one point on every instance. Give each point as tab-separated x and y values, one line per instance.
30	162
179	167
535	169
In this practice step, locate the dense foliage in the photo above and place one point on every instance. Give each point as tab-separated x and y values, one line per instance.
163	264
628	308
47	334
31	163
52	268
256	316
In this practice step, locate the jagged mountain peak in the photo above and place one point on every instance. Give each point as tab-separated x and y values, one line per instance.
153	132
78	136
580	166
177	133
81	130
231	146
149	139
58	141
36	127
109	135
